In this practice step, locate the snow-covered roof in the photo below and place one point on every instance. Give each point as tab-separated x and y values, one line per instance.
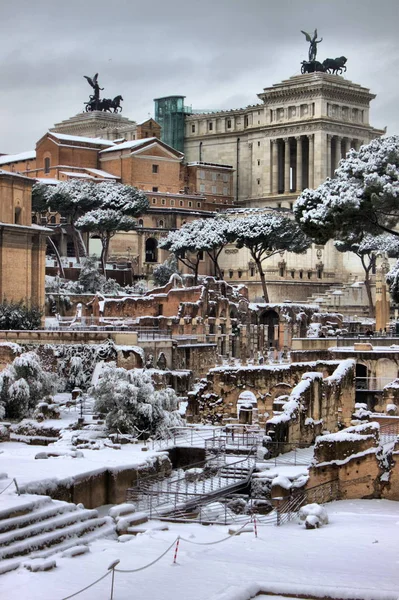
75	174
10	158
77	138
11	174
101	173
129	144
48	180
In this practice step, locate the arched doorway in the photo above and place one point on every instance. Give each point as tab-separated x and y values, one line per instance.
151	250
270	319
246	406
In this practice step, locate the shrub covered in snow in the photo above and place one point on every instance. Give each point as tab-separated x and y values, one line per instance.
16	315
132	405
22	385
162	273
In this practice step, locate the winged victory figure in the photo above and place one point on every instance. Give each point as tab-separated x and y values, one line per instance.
313	41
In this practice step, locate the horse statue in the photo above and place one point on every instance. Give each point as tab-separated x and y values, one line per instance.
312	67
335	65
104	105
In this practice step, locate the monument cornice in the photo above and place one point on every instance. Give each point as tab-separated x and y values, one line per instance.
316	125
338	94
283	129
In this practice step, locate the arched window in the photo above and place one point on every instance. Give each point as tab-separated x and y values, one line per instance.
161	224
52	220
151	250
17	215
141	222
47	165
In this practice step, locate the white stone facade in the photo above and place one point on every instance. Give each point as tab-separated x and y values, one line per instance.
292	140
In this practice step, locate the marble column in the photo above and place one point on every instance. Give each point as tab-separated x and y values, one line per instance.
311	160
287	165
337	151
274	185
347	146
329	164
298	184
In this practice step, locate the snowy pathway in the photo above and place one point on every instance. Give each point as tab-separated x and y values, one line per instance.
355	556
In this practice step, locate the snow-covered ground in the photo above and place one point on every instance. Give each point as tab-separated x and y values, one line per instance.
18	460
354	556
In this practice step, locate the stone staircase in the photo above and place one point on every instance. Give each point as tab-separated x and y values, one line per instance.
347	298
37	526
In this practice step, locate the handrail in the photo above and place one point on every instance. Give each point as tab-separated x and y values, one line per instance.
180	492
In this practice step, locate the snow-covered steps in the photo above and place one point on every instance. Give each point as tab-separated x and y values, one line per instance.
125	517
43	526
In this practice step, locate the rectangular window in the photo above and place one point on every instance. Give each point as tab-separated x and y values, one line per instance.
258	144
155	168
172	202
202	174
246	121
210	126
214	189
47	165
225	191
225	177
202	187
258	181
213	176
192	128
154	189
228	123
258	163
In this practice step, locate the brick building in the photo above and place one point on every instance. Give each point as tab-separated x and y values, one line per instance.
22	245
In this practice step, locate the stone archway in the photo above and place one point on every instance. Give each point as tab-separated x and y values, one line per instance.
151	250
246	407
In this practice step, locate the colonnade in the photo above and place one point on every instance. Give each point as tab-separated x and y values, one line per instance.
293	161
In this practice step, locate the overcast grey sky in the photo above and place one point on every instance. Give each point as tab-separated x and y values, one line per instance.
219	53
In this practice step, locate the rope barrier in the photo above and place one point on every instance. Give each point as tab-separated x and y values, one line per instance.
149	564
175	543
218	541
87	587
6	488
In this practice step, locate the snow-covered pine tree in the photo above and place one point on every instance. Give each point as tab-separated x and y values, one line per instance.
266	234
194	239
362	198
367	247
105	223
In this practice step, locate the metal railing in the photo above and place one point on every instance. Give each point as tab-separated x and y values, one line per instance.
375	384
320	494
289	453
389	433
160	497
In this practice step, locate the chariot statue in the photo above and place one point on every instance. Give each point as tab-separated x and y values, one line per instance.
334	66
95	102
